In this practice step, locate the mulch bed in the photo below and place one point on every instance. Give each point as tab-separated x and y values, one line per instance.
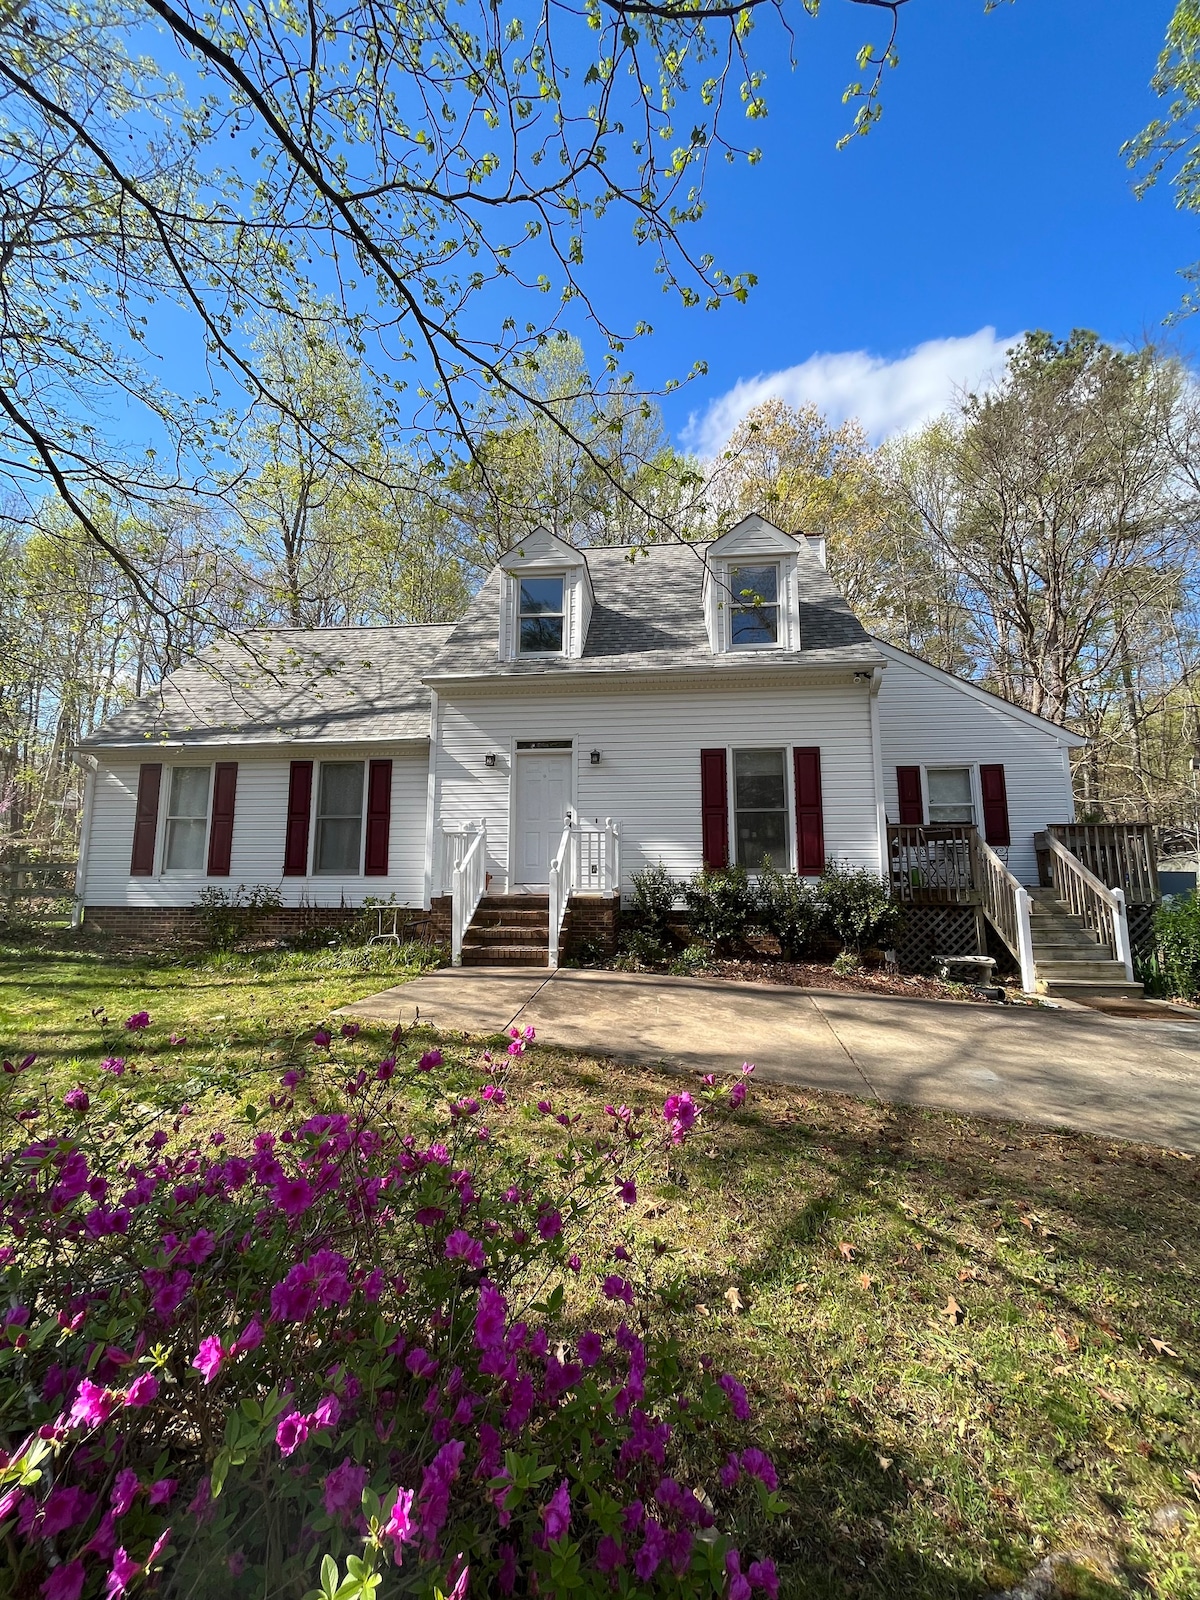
820	975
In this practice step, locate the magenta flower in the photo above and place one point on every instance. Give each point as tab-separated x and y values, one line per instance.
461	1247
328	1412
125	1488
93	1406
545	1107
65	1582
293	1196
760	1466
291	1432
385	1069
66	1508
763	1576
343	1489
124	1569
549	1225
609	1555
209	1358
236	1563
113	1064
737	1093
574	1263
142	1391
738	1402
250	1338
429	1216
161	1491
290	1079
489	1318
138	1021
591	1348
76	1100
399	1525
431	1059
627	1191
747	1068
556	1516
351	1030
322	1038
177	1039
616	1288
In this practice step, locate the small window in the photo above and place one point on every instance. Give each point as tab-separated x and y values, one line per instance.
950	798
541	619
761	808
187	820
339	818
755	606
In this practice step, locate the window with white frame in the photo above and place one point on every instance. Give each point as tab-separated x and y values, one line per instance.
760	806
754	605
187	819
540	616
338	848
951	798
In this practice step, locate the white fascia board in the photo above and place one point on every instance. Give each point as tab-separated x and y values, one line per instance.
1073	741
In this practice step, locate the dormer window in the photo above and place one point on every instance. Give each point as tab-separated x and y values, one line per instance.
754	606
540	620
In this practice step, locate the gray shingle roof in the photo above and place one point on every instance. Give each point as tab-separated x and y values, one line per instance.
649	616
290	684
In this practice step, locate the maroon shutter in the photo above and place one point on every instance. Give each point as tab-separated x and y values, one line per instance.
379	818
995	804
145	820
220	832
295	850
714	808
908	782
810	821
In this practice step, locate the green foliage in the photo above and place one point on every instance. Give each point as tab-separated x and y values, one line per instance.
230	916
722	906
794	910
655	892
859	907
639	950
1177	936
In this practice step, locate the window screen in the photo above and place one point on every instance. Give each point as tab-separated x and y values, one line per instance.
761	808
950	794
339	818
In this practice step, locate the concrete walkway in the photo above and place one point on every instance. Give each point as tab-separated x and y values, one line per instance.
1129	1079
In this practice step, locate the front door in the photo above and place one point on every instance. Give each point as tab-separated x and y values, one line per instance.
542	800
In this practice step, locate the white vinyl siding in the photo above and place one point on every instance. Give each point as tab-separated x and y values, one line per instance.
648	778
258	833
928	721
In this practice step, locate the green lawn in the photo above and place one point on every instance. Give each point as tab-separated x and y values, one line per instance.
970	1344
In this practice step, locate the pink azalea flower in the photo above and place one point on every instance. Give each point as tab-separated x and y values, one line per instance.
113	1064
343	1489
738	1402
291	1432
737	1093
250	1339
385	1069
459	1591
93	1406
290	1079
157	1548
431	1059
627	1191
762	1575
236	1563
177	1039
549	1225
556	1516
142	1391
461	1247
616	1288
76	1100
489	1318
209	1358
747	1068
161	1491
138	1021
322	1038
65	1582
399	1525
65	1508
327	1413
351	1030
293	1196
574	1262
591	1348
761	1467
125	1488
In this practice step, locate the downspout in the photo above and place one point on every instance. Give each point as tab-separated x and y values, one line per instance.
85	836
877	761
431	802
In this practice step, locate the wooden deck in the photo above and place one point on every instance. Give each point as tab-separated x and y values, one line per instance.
941	866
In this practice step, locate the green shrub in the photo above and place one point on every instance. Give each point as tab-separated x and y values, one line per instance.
654	894
1177	935
227	916
860	909
688	962
794	910
639	950
722	906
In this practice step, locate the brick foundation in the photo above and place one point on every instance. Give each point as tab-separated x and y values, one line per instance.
590	922
152	925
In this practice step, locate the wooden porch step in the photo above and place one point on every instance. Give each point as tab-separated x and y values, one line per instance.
1104	970
1080	988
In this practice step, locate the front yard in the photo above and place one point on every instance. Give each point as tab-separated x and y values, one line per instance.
969	1346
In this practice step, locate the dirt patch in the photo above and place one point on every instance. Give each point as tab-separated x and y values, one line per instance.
820	975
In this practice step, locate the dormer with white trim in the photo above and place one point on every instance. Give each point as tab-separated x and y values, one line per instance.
545	599
751	589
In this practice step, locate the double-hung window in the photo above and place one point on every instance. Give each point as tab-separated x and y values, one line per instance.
338	848
760	805
187	819
950	796
754	608
540	620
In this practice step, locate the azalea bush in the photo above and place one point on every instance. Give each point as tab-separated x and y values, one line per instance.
334	1345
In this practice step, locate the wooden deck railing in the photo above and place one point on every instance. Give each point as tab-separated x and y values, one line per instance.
931	865
1007	906
1100	908
1120	854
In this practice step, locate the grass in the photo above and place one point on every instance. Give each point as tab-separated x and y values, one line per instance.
970	1345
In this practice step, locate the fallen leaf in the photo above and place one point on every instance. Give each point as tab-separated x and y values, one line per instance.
1117	1400
1060	1372
884	1462
952	1311
1164	1349
847	1250
970	1275
734	1299
702	1311
865	1279
655	1208
1193	1478
799	1288
1069	1339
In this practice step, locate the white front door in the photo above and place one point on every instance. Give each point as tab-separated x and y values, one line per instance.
542	800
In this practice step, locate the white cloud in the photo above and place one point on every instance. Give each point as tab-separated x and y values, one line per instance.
887	397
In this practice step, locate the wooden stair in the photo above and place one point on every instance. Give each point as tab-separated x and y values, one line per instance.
1068	958
509	930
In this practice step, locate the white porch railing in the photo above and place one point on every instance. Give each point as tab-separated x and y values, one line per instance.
588	861
1007	903
1102	909
468	879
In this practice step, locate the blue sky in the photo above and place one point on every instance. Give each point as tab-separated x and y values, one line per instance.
990	198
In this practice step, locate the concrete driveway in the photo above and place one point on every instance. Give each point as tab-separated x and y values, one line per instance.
1130	1079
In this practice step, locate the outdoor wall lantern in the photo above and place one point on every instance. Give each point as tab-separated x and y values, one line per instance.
595	758
490	759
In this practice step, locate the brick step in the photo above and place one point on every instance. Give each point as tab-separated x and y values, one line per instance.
505	955
511	919
507	935
515	902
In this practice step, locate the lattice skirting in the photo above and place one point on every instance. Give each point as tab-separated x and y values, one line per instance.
929	931
1141	931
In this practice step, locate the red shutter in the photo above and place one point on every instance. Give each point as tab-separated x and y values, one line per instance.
220	832
295	850
995	804
145	820
379	818
810	821
908	782
714	808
